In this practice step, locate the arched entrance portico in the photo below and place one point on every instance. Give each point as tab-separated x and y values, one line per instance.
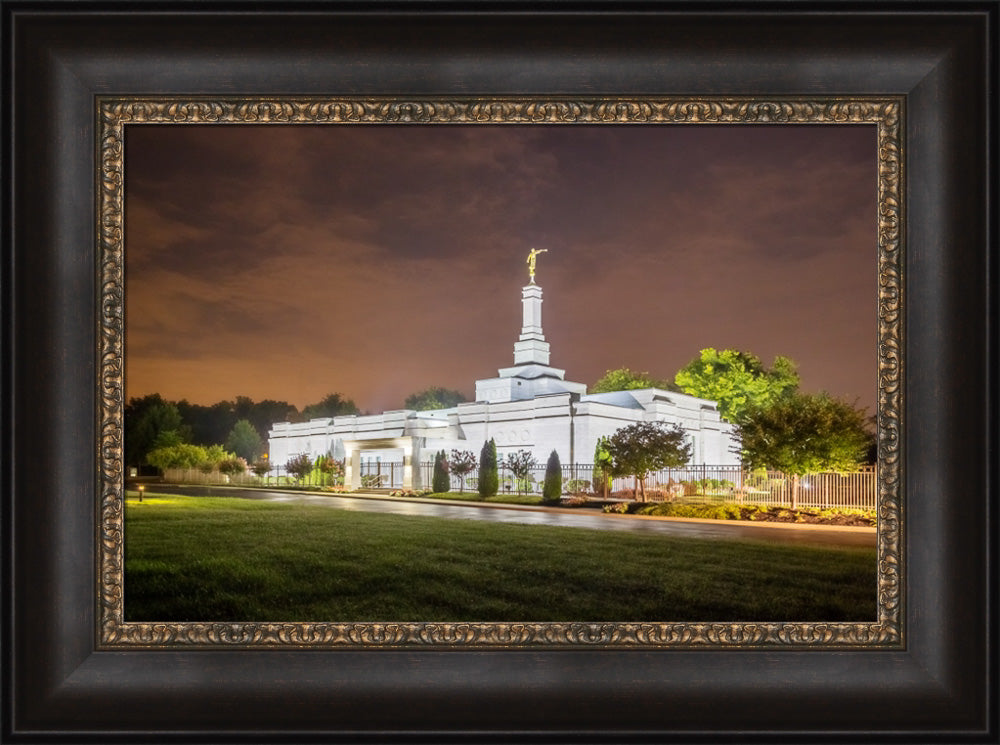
410	447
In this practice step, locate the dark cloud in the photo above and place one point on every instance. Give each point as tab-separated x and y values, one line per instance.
286	262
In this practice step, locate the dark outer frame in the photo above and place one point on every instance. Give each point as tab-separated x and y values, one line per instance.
942	57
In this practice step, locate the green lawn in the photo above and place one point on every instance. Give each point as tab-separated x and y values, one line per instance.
219	559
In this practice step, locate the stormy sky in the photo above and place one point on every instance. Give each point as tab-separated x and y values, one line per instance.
288	262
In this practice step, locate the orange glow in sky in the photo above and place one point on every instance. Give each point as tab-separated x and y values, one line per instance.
288	262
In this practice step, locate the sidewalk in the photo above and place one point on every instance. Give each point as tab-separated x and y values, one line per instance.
594	513
613	515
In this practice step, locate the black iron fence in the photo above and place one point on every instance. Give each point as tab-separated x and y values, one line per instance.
856	490
694	483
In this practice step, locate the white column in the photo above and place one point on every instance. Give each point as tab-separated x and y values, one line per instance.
417	474
352	467
407	466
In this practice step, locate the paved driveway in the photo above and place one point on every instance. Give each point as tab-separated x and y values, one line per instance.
560	517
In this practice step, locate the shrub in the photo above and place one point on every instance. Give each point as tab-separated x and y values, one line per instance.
619	508
603	463
327	470
232	466
489	474
177	456
441	482
526	484
519	464
575	486
462	462
261	468
299	466
409	493
552	488
215	454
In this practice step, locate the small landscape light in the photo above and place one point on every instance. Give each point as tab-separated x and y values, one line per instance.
141	487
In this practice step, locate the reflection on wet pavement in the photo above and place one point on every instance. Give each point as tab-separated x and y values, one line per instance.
542	516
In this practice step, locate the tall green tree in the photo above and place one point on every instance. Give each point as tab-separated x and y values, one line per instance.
736	380
462	463
623	379
433	398
213	423
552	487
243	407
603	463
333	404
489	472
804	433
167	438
209	424
648	446
245	441
151	422
265	413
441	482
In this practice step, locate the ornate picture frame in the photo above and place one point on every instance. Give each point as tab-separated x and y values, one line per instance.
886	114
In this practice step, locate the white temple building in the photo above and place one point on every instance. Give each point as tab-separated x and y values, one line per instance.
529	406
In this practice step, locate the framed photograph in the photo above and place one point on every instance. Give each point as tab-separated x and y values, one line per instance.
130	129
329	295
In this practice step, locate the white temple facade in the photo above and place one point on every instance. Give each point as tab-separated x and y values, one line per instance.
529	406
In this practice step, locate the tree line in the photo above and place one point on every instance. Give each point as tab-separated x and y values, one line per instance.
776	425
240	426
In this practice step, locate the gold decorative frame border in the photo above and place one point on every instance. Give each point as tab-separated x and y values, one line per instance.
115	113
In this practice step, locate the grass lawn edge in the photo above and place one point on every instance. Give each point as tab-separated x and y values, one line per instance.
428	499
189	563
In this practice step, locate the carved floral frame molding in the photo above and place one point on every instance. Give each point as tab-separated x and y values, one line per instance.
114	114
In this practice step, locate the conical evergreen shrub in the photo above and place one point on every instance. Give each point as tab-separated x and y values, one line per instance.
441	481
552	489
489	471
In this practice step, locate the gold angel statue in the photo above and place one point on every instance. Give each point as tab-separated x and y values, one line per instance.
532	258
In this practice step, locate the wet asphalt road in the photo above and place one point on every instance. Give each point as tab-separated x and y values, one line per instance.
527	515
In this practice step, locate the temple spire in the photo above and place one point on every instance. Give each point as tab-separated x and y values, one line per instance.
531	347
